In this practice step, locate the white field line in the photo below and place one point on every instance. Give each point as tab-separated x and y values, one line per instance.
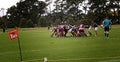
72	59
4	53
114	60
13	52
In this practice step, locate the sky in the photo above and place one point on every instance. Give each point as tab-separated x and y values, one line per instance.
6	4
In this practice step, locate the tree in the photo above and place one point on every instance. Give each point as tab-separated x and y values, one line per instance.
73	9
3	23
29	10
59	10
104	8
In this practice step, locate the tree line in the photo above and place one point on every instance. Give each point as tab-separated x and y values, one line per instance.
34	13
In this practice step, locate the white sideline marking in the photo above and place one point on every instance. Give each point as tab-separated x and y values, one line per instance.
71	59
110	60
7	53
13	52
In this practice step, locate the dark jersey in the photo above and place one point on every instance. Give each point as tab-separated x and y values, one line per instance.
95	25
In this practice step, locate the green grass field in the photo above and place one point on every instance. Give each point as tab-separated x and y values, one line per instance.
36	44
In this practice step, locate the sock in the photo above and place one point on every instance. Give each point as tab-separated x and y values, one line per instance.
90	33
105	34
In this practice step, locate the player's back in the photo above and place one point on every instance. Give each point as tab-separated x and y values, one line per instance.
107	22
81	27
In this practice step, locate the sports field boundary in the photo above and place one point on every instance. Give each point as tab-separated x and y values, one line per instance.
73	59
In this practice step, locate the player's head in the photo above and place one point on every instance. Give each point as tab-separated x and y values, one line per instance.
106	17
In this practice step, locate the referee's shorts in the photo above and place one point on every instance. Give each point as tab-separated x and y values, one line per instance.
106	28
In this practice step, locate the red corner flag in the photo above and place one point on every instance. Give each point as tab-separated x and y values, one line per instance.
13	34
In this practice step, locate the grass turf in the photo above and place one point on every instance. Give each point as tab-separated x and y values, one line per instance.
36	44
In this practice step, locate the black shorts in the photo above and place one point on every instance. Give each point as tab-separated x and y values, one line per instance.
66	30
55	30
81	31
106	28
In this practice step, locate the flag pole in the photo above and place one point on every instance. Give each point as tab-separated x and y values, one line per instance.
20	49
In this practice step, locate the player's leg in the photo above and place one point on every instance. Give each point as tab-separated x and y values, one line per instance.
107	32
54	32
96	31
89	31
84	34
58	33
90	34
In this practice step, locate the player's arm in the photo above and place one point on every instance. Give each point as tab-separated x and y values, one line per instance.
102	25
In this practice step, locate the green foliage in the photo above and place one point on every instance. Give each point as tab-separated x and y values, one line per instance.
30	10
26	23
42	22
70	20
103	8
3	22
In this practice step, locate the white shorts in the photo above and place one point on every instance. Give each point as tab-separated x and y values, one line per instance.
96	28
